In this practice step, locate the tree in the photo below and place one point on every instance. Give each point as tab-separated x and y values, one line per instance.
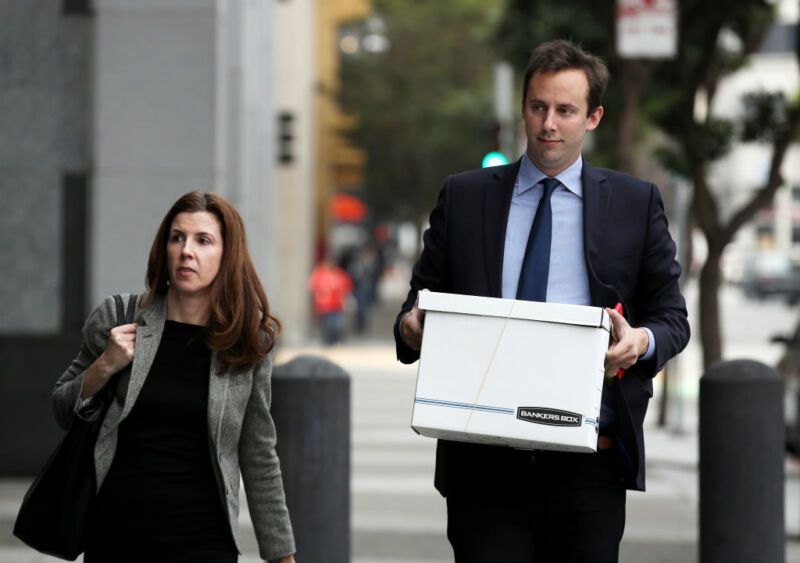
667	92
424	104
703	60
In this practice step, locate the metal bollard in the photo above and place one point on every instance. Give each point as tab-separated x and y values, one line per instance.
311	410
741	464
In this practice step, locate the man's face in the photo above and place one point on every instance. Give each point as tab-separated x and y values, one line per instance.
556	120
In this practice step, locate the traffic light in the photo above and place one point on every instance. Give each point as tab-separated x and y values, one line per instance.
494	158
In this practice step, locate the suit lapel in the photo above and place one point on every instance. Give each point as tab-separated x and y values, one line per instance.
497	200
148	336
217	394
596	195
596	199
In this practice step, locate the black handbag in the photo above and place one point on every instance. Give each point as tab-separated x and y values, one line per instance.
53	513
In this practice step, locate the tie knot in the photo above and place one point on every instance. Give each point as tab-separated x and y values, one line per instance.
549	184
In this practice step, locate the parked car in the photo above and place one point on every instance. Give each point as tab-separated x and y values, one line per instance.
770	275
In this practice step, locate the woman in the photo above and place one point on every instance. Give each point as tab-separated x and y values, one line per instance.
191	404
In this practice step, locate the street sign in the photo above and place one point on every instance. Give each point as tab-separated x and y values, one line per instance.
647	29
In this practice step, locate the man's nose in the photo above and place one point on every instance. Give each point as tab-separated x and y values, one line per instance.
550	120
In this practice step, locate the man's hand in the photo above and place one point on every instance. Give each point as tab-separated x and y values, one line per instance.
627	344
411	326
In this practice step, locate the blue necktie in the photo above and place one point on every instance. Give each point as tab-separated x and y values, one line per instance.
536	264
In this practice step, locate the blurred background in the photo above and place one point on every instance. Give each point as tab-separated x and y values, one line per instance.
331	125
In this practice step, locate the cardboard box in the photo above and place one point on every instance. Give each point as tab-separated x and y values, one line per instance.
516	373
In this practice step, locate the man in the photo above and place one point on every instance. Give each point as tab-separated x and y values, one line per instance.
607	243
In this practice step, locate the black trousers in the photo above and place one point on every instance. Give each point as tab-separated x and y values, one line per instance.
567	508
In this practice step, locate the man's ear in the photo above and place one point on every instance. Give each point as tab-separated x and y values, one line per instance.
594	118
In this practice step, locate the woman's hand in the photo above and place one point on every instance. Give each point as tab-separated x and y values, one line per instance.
117	355
287	559
119	350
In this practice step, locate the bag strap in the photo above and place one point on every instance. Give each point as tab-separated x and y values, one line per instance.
131	308
124	318
120	310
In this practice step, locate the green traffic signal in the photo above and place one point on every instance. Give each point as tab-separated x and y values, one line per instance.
494	159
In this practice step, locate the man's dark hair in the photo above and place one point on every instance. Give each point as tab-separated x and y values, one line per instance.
561	54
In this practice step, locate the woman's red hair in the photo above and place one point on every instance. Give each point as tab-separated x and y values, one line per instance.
242	330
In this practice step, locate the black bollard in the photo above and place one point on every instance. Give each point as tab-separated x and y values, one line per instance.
311	410
741	464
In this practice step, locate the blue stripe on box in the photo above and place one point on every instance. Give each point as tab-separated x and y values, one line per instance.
591	421
484	408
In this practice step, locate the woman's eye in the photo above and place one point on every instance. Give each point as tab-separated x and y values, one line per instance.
176	238
204	240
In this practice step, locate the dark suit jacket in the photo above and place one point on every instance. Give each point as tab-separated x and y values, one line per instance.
630	258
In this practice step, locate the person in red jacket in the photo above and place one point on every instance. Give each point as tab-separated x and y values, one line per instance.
330	285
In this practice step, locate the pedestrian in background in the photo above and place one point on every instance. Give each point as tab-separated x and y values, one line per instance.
190	410
330	286
551	227
364	264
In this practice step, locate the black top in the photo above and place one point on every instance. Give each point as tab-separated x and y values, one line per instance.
160	500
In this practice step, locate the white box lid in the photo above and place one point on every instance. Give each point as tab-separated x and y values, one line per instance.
580	315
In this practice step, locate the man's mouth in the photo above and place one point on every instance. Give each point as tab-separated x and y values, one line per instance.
549	142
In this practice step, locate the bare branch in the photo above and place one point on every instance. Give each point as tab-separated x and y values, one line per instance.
764	196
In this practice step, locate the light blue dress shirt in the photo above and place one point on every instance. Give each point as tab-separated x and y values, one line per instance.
568	281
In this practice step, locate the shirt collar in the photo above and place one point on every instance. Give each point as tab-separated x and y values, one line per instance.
529	175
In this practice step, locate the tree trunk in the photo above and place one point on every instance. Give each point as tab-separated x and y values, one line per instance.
710	335
634	77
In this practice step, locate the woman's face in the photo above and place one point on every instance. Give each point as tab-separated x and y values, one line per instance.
194	252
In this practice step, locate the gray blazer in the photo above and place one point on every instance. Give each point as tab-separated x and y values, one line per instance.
241	431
